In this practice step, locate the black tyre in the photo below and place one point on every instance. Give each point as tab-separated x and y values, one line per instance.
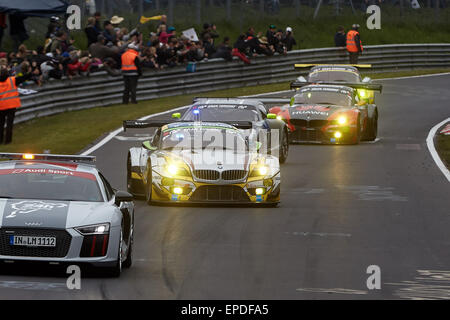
284	147
372	129
116	271
129	260
129	180
148	189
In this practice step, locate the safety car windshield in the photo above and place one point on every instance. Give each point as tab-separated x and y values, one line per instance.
48	184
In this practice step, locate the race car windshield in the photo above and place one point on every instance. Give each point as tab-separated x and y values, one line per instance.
40	184
223	113
324	97
334	76
202	139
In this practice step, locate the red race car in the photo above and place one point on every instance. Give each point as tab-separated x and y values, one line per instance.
332	114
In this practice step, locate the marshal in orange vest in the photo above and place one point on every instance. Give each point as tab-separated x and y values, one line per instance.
9	94
351	43
128	65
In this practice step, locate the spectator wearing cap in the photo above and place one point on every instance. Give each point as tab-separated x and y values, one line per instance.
131	70
100	51
270	35
354	44
288	39
340	38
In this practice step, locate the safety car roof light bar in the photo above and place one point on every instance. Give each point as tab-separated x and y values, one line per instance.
46	157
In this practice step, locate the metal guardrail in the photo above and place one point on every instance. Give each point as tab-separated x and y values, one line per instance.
101	89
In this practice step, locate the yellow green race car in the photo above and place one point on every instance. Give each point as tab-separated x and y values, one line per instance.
201	162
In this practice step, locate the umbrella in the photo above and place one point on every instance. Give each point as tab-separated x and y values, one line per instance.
35	8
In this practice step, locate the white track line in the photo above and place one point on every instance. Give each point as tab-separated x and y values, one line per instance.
419	76
432	149
114	133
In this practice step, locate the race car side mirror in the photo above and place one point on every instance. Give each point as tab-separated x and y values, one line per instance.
366	80
271	116
147	145
176	115
123	196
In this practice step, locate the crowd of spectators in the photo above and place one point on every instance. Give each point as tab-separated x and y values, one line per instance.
107	40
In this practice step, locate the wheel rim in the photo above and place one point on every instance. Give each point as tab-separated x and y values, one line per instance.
120	250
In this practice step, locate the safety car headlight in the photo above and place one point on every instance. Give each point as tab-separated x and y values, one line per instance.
94	229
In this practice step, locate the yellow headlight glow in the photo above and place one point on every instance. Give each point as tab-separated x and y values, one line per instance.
337	135
279	118
362	93
263	170
260	191
177	190
342	120
172	169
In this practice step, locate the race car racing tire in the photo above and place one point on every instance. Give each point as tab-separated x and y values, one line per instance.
149	189
372	129
116	270
357	138
284	147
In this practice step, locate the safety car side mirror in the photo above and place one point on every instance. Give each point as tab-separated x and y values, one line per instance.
123	196
366	80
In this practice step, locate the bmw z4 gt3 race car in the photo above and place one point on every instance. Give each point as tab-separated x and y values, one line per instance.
201	162
329	114
264	127
338	74
54	208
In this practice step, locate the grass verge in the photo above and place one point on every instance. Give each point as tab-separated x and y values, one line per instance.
70	132
443	148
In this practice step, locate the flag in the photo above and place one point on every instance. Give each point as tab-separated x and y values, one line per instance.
145	19
191	34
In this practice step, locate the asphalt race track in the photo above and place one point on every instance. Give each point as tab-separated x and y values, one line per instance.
343	208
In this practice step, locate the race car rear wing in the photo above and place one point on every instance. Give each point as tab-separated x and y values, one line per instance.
142	124
310	65
367	86
46	157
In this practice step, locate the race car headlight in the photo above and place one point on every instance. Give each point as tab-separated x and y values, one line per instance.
260	170
176	170
94	229
337	135
362	93
342	120
280	118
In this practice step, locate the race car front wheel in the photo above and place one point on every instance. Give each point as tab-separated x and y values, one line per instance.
148	189
284	147
372	129
116	270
